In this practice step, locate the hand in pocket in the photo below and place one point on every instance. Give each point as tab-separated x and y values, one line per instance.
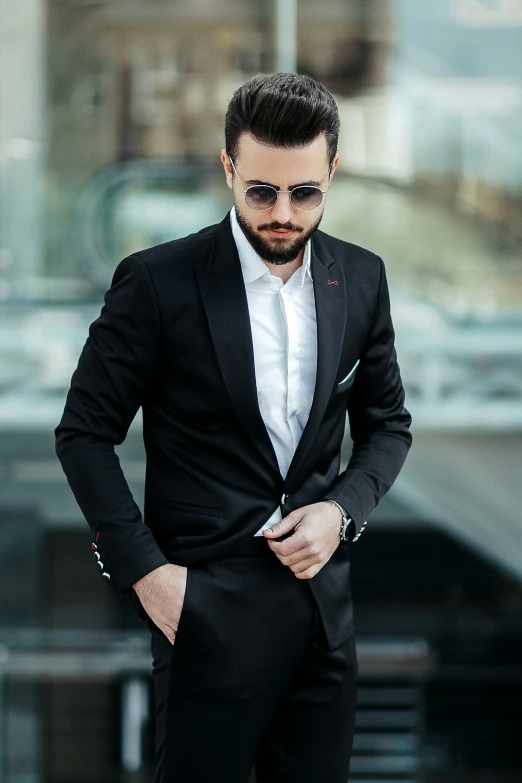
162	594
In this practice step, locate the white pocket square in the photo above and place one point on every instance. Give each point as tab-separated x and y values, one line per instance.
350	373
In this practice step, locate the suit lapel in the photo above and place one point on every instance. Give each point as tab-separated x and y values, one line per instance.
224	298
331	313
225	301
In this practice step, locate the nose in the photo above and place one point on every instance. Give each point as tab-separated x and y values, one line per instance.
282	211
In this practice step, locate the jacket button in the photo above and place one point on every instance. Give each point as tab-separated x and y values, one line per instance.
106	575
100	565
93	546
96	555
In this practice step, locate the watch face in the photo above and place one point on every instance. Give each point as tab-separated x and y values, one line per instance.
349	531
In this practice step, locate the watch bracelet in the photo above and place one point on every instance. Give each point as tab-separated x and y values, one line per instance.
345	516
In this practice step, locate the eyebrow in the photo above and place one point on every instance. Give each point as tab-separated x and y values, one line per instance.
277	187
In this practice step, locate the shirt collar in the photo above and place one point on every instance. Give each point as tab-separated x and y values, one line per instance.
252	264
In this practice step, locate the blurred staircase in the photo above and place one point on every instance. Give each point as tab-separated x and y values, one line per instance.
388	732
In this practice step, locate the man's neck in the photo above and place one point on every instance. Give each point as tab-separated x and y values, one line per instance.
284	271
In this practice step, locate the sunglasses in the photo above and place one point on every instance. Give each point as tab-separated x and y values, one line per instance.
263	197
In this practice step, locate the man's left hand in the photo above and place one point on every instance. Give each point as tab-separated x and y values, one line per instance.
314	541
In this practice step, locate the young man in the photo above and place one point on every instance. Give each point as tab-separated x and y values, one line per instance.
245	345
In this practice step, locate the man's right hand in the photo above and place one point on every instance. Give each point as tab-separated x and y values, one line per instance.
162	593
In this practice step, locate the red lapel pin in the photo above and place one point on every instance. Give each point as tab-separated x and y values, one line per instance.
333	282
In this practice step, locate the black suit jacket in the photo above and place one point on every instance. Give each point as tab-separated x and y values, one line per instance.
174	338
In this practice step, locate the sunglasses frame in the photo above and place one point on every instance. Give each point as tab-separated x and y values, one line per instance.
277	192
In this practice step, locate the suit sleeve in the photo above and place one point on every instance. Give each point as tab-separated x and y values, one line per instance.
110	382
379	422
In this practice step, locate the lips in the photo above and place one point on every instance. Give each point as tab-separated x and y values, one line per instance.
279	233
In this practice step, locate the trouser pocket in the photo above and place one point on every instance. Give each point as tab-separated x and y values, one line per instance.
139	606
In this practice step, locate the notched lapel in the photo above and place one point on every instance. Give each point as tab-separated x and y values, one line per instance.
331	310
224	298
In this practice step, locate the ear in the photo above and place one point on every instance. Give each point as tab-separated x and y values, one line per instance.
228	168
335	163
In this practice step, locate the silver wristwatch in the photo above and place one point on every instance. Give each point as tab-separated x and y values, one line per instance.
347	529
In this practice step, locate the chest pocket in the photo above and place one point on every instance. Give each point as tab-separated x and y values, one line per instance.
348	379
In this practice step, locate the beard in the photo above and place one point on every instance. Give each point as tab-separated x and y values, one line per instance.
277	251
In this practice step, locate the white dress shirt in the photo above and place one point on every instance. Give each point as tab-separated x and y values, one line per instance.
284	336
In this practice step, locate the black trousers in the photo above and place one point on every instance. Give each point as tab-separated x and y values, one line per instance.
250	681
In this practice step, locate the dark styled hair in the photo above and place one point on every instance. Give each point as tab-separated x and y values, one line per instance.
284	110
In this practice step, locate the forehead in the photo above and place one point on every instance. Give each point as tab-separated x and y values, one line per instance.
266	162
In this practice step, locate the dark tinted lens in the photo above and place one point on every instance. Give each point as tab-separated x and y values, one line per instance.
261	196
306	197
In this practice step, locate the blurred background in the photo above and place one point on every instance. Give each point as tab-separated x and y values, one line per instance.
111	126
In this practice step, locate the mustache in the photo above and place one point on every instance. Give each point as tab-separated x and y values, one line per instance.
275	226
